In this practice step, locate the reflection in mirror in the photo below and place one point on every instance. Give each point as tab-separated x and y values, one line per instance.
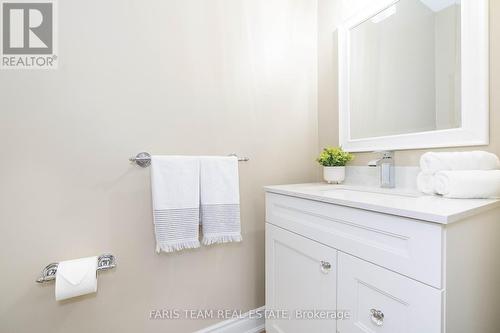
404	69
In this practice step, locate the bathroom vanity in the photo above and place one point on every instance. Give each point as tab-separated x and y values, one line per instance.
394	262
411	74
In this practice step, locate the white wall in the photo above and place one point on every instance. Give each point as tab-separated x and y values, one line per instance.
168	77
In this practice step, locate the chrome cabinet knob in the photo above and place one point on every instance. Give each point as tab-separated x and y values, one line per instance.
326	267
377	317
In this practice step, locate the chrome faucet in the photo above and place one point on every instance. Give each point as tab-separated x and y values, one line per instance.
386	163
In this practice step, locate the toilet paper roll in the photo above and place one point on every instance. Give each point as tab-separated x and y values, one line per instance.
76	277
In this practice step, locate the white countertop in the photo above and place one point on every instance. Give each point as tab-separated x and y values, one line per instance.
390	201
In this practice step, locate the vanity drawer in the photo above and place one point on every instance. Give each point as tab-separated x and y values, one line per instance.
409	247
381	301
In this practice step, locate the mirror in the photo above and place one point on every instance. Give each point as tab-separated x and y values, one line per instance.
407	75
405	69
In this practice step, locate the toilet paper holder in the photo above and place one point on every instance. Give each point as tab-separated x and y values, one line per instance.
105	261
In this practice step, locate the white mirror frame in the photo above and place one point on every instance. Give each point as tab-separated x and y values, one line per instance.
474	129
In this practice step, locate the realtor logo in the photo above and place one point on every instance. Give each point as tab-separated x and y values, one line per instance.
28	31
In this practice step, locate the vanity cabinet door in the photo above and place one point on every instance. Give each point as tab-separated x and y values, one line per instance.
301	275
381	301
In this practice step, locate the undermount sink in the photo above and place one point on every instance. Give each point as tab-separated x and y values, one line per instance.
358	190
401	201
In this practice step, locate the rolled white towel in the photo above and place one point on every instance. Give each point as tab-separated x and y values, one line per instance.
468	184
433	162
425	183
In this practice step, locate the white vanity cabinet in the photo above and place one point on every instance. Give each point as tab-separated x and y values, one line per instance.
384	301
303	275
390	273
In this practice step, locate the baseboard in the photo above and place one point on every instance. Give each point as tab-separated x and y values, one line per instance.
245	324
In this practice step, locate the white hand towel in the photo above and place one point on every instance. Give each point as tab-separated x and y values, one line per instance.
76	277
175	184
220	200
425	183
433	162
471	184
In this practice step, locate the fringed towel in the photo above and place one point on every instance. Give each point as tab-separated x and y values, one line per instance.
175	185
220	200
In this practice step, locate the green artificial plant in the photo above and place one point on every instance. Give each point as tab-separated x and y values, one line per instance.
334	157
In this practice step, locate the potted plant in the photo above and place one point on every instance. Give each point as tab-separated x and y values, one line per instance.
333	160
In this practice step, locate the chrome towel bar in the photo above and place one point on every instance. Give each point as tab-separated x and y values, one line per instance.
144	159
105	261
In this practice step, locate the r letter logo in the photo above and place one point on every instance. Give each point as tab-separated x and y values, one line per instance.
28	35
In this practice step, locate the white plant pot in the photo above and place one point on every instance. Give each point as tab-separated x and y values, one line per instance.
334	175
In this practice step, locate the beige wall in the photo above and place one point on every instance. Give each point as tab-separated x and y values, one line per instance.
168	77
330	14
